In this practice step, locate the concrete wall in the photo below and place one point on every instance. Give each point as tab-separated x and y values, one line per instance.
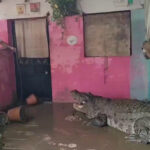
96	6
8	7
139	76
7	70
71	70
126	77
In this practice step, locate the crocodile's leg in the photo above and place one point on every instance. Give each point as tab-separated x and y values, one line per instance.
79	115
142	131
99	121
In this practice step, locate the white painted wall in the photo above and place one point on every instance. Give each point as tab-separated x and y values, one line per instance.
147	18
8	7
96	6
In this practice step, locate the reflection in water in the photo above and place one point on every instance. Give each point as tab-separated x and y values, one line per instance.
50	131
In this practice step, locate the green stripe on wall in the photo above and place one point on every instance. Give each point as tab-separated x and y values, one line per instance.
130	2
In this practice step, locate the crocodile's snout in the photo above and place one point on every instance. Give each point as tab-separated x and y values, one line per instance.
76	96
77	107
74	93
80	101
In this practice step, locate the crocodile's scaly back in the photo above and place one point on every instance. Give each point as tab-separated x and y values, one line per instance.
129	106
121	113
117	105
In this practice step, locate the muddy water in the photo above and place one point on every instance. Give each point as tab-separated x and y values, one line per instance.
50	131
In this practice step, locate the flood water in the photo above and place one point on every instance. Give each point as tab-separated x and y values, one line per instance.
49	130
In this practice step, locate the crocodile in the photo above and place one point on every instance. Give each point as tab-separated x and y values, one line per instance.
128	115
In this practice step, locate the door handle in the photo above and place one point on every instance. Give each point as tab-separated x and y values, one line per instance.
46	72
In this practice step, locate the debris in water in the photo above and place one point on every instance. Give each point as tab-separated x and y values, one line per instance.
72	145
32	100
71	118
63	145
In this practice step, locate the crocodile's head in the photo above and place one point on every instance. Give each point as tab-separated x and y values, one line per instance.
84	103
146	49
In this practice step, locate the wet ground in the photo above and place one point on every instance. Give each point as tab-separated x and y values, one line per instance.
51	131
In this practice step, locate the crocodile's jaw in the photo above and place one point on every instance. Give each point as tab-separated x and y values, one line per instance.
79	107
84	103
81	101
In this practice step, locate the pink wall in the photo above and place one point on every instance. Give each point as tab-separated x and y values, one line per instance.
7	69
71	70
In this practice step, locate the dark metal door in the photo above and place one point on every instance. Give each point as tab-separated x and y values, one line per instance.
33	71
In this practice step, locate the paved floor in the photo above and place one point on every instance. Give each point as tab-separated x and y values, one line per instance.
51	131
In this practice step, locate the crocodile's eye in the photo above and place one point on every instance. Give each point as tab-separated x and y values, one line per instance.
83	102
